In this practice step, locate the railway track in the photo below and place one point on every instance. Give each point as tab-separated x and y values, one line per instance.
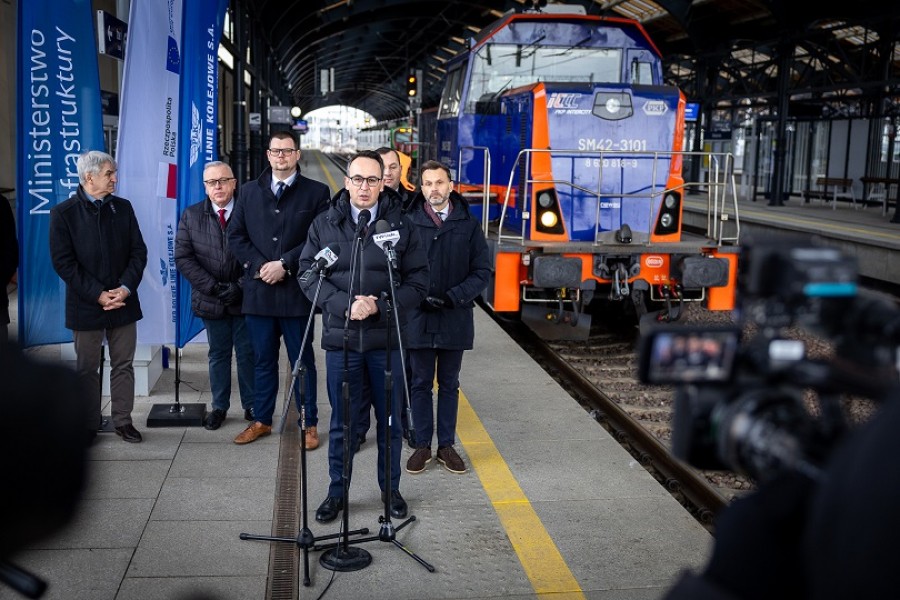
601	375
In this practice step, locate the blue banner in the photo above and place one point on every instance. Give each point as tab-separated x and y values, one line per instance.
201	29
58	118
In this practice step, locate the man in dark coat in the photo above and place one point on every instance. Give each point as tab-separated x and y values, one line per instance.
98	251
443	326
393	176
354	298
9	261
394	183
266	234
202	256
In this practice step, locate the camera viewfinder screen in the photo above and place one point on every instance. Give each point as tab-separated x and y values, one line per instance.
692	356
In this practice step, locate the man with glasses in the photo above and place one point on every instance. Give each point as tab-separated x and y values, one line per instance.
202	256
360	303
392	180
266	234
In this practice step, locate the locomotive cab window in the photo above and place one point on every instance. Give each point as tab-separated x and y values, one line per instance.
452	93
641	73
497	68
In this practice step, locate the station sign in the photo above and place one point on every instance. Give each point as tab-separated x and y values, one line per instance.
111	34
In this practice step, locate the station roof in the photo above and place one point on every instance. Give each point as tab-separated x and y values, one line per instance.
719	50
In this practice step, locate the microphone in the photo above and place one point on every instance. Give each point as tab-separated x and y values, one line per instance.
364	217
385	238
324	259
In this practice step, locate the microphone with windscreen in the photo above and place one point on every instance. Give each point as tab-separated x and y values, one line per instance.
385	238
364	217
324	259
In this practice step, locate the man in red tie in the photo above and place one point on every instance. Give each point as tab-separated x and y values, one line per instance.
202	256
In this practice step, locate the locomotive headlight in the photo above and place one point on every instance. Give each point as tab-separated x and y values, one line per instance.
545	200
670	201
666	220
548	219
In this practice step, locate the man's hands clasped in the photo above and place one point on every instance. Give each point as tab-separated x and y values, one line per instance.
113	299
228	293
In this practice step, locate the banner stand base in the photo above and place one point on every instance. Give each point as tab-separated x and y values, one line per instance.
106	425
176	415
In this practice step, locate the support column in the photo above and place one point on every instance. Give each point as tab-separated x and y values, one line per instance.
785	56
255	103
239	140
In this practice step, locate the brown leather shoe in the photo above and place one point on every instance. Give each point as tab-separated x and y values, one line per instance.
451	460
252	433
312	437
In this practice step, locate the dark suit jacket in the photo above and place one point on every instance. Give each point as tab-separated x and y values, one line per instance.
263	229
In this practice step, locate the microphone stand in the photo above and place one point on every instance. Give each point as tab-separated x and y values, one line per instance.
342	557
387	532
305	539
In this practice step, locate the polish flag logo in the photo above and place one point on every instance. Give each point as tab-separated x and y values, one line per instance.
166	181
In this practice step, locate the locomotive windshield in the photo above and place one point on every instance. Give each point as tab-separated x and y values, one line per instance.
500	67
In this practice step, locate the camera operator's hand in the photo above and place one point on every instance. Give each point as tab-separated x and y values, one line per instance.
228	293
758	541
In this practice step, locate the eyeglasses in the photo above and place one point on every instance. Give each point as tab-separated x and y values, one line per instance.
281	151
218	182
358	180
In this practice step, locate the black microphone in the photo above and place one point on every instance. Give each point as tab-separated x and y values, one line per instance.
364	217
385	238
324	259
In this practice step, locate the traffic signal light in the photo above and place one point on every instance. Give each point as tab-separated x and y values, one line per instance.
412	85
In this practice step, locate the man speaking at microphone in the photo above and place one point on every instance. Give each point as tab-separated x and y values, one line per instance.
359	304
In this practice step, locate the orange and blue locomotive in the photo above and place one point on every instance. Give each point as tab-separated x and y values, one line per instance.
559	129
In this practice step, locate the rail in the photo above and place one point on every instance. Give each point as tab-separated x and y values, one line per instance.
720	189
485	186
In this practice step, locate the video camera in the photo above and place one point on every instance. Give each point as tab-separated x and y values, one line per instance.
760	406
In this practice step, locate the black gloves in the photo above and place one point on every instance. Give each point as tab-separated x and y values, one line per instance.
228	293
436	303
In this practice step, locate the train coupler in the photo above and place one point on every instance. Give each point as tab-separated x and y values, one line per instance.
674	301
619	289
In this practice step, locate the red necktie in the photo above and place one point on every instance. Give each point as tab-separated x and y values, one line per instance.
222	222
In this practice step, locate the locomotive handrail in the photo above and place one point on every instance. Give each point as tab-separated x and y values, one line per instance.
486	187
720	177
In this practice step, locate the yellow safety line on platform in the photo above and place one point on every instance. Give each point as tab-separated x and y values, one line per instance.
331	182
544	565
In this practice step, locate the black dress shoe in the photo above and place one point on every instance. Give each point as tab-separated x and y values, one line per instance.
398	504
214	419
129	433
248	415
329	509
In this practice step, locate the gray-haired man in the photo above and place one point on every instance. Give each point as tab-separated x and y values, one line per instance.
98	251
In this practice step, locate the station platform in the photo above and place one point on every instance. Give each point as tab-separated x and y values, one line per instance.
864	232
551	506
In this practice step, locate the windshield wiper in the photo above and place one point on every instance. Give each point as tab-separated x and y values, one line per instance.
573	46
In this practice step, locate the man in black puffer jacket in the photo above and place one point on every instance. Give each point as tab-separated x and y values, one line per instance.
202	256
355	298
98	251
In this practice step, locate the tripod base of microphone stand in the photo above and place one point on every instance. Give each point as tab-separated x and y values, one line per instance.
176	415
345	559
